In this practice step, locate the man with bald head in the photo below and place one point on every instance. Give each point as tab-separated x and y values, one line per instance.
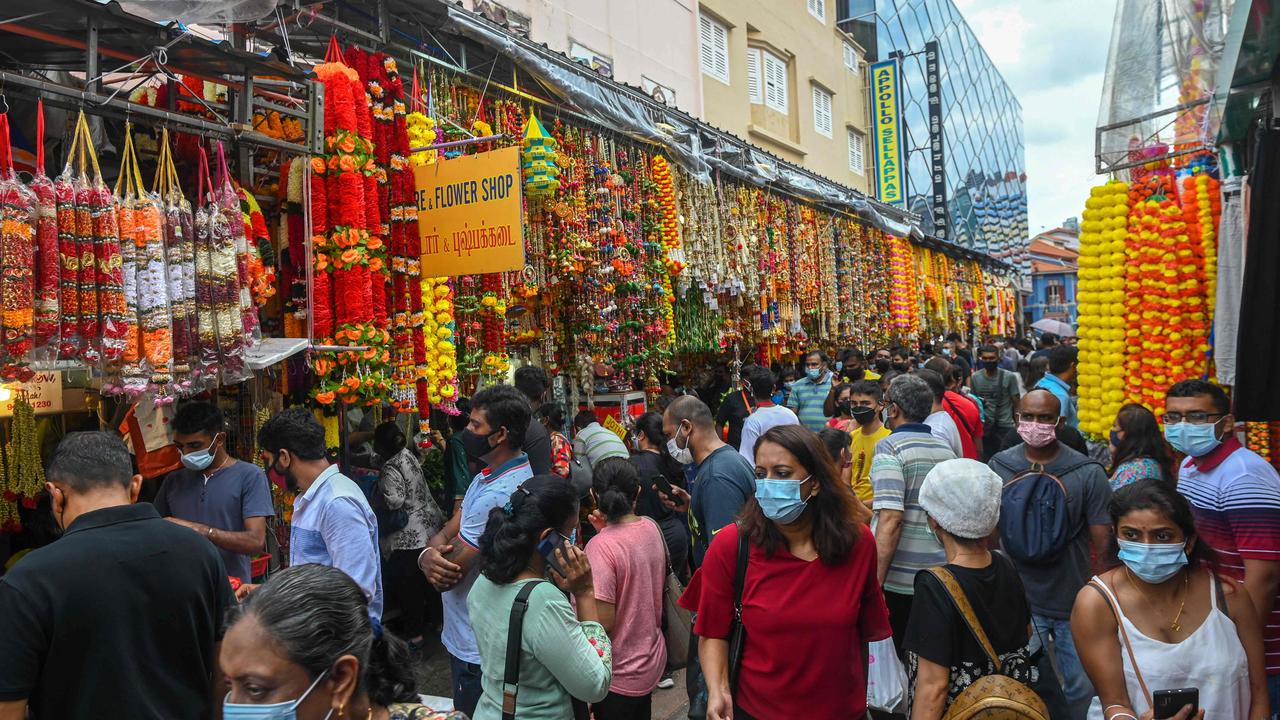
1052	585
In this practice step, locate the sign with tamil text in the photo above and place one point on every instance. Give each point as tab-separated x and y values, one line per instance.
469	214
886	128
43	391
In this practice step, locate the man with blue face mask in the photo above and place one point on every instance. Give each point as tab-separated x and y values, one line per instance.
223	499
809	394
1235	498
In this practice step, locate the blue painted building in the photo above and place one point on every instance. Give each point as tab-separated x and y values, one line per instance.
1054	260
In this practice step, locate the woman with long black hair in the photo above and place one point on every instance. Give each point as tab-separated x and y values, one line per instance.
563	654
805	655
1163	620
1138	448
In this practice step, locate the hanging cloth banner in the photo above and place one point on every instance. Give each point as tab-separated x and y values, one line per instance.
469	214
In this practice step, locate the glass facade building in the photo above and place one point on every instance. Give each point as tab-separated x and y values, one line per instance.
981	123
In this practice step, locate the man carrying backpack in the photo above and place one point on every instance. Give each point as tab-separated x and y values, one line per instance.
1051	549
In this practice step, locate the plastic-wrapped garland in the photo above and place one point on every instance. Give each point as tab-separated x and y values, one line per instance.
46	322
232	220
112	324
67	214
179	254
17	240
205	370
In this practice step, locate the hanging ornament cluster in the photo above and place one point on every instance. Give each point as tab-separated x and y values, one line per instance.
538	160
20	214
348	250
23	476
1101	311
904	302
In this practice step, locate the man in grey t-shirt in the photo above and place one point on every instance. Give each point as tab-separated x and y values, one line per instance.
224	500
1052	586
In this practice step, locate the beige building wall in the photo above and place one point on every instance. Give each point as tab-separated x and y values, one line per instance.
652	44
787	39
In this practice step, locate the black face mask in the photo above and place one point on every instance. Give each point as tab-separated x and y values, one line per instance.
863	415
477	446
882	366
902	367
844	408
990	364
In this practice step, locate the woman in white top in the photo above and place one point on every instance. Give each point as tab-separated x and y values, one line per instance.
1177	622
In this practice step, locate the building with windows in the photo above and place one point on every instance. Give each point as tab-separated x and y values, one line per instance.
965	169
1055	258
651	45
782	75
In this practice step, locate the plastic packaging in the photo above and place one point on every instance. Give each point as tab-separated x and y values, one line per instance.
46	323
179	252
17	243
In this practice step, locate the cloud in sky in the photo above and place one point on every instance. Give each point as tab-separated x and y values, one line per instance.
1053	54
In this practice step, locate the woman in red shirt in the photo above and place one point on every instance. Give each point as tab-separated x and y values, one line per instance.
810	600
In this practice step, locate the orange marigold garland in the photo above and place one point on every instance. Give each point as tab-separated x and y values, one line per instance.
672	252
904	302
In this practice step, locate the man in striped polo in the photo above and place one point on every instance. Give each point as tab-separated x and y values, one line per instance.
810	392
1235	498
904	544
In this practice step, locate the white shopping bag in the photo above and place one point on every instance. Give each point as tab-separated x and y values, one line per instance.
886	678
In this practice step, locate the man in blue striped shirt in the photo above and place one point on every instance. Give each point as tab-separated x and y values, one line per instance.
332	521
810	392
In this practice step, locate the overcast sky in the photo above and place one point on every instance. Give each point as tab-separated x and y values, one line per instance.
1053	54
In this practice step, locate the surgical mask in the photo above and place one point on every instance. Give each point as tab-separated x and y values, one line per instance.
813	373
1035	434
780	499
287	710
200	459
862	414
1154	563
682	455
946	352
990	364
1115	439
839	365
1192	439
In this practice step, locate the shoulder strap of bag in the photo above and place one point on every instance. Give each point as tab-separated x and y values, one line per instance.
1096	584
961	601
515	632
740	574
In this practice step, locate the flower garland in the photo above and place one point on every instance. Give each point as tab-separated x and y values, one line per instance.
904	301
293	254
441	352
1101	306
23	476
47	312
672	257
179	251
422	133
260	258
18	218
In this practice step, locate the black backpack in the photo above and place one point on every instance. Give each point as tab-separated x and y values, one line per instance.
1035	522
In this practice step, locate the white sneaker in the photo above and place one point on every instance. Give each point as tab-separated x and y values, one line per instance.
666	682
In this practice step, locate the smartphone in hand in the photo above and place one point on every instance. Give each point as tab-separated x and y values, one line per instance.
1167	703
548	546
663	486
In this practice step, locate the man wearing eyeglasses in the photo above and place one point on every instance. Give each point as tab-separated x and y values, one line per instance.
1235	498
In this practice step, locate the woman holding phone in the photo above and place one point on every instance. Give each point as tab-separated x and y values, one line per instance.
563	655
1163	621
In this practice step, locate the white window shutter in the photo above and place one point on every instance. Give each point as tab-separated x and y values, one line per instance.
857	152
821	111
818	9
713	46
755	86
775	82
850	57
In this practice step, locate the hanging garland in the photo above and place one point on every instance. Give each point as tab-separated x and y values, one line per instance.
1101	306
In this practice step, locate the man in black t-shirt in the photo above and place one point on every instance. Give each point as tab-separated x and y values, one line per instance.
533	383
119	618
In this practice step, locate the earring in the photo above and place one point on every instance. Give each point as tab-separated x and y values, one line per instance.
342	709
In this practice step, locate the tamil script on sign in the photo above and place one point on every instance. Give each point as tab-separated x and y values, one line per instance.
469	214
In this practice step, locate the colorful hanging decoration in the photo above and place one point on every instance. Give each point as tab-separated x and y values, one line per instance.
538	160
904	303
1101	312
19	215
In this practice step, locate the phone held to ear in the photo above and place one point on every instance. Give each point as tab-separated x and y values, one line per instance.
547	546
1167	703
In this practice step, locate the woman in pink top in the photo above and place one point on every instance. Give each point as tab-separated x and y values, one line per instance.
629	565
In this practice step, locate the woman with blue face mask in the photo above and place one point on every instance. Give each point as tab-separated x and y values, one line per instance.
1163	620
810	601
303	647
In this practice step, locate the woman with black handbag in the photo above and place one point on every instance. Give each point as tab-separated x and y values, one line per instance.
797	573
